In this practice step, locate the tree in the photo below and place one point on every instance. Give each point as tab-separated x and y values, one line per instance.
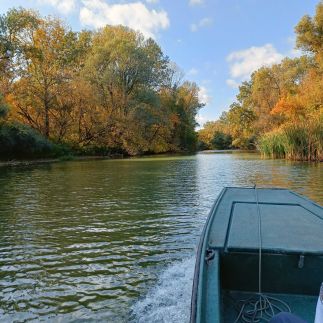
221	140
240	120
281	105
108	90
186	108
16	28
4	109
309	31
124	70
47	69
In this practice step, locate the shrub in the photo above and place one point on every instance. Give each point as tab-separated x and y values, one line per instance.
20	141
221	140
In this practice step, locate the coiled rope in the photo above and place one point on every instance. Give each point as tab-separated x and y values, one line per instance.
260	308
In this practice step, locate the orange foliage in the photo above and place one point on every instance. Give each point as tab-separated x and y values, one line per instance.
174	118
289	106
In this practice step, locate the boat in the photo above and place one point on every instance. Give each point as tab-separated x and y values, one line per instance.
261	252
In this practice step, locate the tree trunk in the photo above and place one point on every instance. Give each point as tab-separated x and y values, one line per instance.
46	106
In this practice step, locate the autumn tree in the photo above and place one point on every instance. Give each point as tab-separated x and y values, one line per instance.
126	72
47	70
109	90
309	32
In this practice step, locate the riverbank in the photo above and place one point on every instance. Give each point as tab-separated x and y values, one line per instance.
14	163
227	151
30	162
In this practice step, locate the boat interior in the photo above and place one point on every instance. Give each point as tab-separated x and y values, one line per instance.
292	279
291	237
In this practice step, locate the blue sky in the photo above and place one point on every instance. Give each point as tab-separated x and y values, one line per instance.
216	43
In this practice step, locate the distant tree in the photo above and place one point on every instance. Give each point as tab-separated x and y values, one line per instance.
280	109
187	106
207	133
221	140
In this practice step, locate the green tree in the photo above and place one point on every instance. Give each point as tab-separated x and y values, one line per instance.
186	107
221	140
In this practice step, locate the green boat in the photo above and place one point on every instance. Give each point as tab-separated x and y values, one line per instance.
261	252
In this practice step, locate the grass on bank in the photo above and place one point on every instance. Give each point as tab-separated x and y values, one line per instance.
295	141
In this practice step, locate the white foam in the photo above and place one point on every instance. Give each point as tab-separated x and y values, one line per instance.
169	301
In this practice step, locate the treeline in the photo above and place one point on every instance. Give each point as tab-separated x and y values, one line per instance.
280	110
109	91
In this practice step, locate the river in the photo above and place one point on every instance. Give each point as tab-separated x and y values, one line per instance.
114	240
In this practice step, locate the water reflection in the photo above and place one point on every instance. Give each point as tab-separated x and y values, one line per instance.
85	240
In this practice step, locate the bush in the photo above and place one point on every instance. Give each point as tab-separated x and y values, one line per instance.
244	143
201	145
221	140
20	141
96	150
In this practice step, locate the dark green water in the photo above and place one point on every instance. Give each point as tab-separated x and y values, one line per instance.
114	240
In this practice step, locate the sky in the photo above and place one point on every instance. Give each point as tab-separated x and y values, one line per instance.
215	43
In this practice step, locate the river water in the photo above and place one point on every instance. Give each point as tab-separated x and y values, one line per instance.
114	240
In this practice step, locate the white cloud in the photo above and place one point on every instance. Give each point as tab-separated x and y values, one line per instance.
244	62
204	97
152	1
192	71
97	13
293	52
200	120
64	6
196	2
205	22
232	83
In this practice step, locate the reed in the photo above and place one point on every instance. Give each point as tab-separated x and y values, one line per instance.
272	144
295	141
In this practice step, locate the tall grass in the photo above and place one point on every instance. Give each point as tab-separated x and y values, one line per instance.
272	144
296	141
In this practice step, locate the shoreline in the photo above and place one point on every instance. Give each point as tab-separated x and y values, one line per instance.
39	161
24	162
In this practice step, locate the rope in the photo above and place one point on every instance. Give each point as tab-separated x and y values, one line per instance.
259	240
260	308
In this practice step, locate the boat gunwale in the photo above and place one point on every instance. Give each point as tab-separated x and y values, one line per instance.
271	251
199	265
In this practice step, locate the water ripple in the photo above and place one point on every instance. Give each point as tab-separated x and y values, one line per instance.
115	240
